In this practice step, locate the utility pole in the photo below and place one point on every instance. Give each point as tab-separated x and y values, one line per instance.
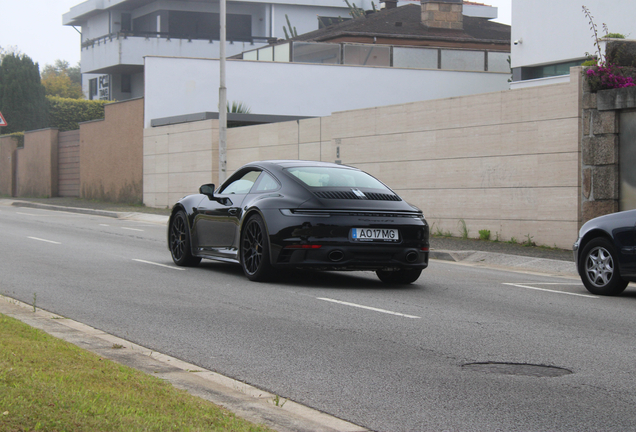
222	101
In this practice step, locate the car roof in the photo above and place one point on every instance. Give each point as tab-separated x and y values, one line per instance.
284	163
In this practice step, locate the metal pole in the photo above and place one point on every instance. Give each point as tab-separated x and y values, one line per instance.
222	102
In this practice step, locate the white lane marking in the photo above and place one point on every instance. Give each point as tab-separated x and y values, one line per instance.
550	283
132	229
552	291
157	264
43	240
25	214
104	225
368	308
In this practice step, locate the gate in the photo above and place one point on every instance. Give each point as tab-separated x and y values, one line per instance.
69	164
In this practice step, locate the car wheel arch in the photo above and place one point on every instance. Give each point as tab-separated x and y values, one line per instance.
175	210
249	213
591	235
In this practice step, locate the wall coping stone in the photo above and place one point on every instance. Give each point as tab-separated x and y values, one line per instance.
621	98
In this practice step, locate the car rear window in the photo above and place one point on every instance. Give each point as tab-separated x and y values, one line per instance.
329	177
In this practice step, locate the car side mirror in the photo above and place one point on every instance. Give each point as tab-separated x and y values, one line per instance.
207	190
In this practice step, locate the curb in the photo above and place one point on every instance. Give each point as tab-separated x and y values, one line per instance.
508	262
96	212
144	217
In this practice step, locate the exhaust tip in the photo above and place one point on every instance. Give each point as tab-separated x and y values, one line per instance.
411	257
336	255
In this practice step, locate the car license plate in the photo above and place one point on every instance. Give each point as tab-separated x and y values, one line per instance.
371	234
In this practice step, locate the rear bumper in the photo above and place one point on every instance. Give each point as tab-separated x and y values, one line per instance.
354	257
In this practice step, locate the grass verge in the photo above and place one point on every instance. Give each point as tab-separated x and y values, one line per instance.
51	385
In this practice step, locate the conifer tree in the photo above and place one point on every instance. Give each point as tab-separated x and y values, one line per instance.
22	95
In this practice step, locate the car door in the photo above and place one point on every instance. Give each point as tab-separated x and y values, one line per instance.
627	240
216	224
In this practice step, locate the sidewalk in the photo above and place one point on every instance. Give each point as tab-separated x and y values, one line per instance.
470	251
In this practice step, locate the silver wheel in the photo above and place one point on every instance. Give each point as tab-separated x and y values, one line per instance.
599	268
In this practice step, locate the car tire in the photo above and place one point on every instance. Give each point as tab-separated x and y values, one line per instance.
399	277
599	268
180	246
255	250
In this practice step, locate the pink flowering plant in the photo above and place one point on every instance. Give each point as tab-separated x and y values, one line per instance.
606	75
609	77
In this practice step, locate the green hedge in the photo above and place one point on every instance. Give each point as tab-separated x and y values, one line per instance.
66	114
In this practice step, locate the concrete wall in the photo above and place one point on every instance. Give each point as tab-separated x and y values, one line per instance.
506	161
177	160
8	146
304	139
37	164
184	86
111	154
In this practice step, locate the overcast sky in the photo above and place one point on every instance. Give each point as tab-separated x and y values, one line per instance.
35	28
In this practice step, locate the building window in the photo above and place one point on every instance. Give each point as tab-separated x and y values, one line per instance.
92	88
197	25
556	69
126	84
239	28
126	22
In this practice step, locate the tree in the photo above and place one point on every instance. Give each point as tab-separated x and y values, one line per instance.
11	49
62	80
22	95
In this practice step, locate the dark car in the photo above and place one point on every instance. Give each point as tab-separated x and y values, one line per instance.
605	253
299	214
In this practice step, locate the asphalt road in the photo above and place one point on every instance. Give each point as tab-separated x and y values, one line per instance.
389	359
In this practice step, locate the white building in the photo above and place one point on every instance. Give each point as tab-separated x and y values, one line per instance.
117	34
551	36
339	67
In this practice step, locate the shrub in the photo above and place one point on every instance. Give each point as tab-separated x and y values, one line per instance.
66	114
484	234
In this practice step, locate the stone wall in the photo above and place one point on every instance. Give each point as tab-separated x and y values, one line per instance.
600	164
608	171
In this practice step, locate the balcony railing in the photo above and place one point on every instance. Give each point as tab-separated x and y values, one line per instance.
167	35
384	56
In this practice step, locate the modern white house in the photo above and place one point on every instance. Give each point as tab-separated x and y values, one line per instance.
398	55
118	34
551	36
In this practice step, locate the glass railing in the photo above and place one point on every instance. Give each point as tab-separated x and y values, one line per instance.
384	56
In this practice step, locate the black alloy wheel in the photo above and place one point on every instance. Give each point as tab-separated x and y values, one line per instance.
180	241
599	268
255	250
399	277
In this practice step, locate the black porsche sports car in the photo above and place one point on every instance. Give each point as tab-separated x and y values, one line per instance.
300	214
605	253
